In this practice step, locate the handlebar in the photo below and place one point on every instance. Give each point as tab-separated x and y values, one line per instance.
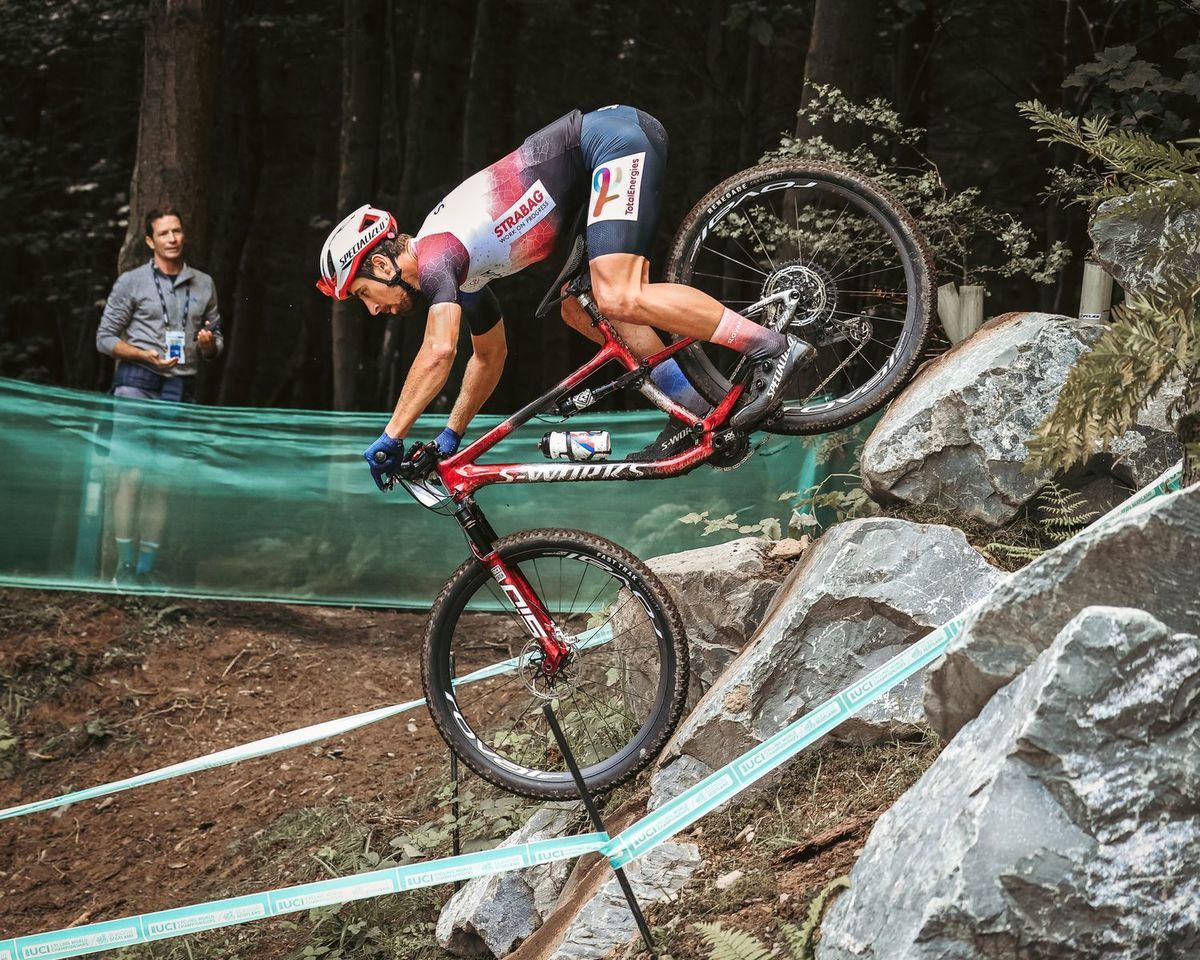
419	464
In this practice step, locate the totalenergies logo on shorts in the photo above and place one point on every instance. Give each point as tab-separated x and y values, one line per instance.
617	180
602	179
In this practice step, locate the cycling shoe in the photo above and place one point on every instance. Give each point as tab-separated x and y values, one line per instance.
674	438
769	380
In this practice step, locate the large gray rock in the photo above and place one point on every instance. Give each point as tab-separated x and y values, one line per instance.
1149	558
862	593
955	438
722	593
605	921
490	916
1063	823
1144	248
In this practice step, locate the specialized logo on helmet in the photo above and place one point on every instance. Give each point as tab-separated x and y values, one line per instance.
374	226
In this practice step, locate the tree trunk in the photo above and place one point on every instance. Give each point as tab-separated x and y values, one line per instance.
178	98
480	91
239	164
362	90
748	147
839	53
910	80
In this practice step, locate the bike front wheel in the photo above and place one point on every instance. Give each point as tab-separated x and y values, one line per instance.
617	699
852	257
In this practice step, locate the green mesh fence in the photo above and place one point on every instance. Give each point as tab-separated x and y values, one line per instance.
279	505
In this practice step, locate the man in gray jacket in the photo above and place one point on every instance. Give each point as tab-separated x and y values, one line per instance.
160	320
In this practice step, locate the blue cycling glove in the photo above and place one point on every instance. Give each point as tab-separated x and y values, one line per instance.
384	456
447	442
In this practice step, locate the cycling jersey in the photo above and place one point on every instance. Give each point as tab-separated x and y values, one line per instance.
511	214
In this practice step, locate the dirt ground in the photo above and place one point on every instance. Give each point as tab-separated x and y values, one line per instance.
98	688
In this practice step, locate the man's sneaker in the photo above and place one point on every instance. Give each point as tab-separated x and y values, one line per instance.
674	438
768	381
124	576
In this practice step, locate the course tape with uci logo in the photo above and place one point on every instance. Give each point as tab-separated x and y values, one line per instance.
640	837
165	924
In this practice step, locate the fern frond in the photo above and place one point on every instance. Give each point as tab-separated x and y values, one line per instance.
1149	342
730	944
812	922
1063	512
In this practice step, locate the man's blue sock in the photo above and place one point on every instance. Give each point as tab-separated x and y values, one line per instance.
672	381
146	555
125	552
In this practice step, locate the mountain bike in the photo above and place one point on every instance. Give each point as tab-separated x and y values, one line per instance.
568	616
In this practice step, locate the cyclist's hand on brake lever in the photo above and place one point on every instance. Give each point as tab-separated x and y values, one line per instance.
420	461
384	457
447	442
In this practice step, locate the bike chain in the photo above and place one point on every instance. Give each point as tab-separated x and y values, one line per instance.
865	326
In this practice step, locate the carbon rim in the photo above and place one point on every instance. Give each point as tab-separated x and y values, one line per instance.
611	699
862	296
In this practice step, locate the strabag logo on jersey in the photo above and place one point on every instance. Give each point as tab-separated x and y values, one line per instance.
617	189
523	215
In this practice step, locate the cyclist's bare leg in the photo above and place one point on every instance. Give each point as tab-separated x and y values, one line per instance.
621	284
641	340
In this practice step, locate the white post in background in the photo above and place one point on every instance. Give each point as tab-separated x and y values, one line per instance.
1095	296
960	310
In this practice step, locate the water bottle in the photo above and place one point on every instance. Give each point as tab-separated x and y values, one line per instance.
576	445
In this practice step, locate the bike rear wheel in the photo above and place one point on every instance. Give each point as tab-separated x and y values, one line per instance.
619	697
855	256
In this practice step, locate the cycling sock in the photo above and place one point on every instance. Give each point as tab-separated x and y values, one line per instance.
146	555
747	337
672	381
125	555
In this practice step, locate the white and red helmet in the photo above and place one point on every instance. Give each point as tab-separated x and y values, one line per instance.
348	245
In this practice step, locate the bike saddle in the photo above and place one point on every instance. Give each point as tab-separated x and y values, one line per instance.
576	259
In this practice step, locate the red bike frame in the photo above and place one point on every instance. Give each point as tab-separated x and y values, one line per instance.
461	476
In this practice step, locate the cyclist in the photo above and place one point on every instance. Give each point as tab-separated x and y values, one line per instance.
505	218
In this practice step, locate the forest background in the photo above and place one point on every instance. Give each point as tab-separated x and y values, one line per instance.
283	115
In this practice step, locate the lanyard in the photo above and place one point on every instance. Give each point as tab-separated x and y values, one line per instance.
187	300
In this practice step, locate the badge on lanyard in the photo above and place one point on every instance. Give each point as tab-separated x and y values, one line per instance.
175	350
175	338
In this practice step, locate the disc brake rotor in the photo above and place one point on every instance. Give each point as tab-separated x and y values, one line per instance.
817	289
541	684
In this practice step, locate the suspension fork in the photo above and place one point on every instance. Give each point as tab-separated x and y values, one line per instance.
517	590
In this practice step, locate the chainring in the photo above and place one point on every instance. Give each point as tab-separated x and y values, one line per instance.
735	451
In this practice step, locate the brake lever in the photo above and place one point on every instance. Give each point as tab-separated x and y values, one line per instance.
421	462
